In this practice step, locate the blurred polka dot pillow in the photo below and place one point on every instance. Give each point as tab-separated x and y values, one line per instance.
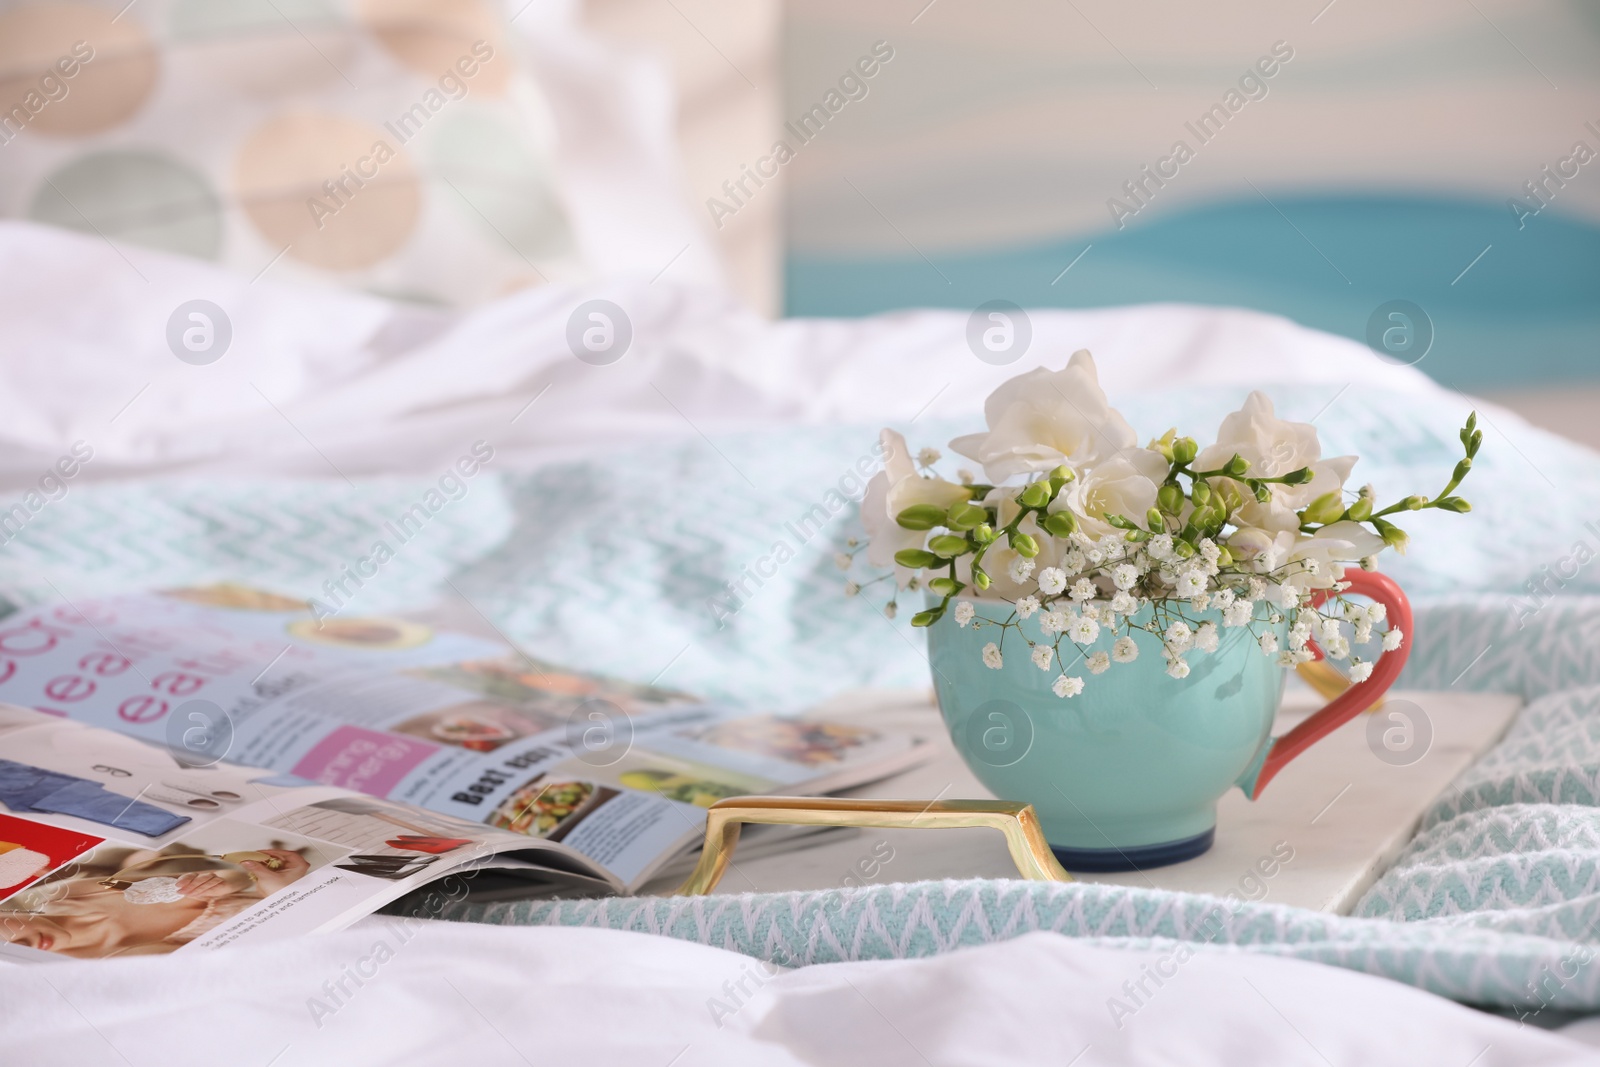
397	146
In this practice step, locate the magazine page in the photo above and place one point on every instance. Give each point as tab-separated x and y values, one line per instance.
111	847
399	709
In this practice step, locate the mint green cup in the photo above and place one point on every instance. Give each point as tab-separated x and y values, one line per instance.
1126	774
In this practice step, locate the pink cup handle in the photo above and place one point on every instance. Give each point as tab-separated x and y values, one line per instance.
1357	698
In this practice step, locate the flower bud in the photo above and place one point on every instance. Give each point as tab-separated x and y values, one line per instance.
980	578
1392	535
1299	477
1170	498
1060	524
1183	549
920	517
1036	495
1361	510
1184	449
1416	503
949	545
965	516
983	533
1224	557
1163	444
1329	507
915	558
1200	494
926	618
1061	476
1153	520
1462	468
946	586
1453	503
1236	466
1024	545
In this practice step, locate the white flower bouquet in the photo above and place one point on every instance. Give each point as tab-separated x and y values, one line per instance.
1078	524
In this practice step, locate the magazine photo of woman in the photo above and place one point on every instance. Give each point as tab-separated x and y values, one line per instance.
126	902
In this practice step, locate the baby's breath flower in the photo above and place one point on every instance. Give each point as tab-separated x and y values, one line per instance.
1269	643
964	613
1098	663
1239	613
965	477
1160	547
1052	580
1206	638
1201	602
1124	575
1377	612
1125	650
1019	569
927	457
1027	606
1053	622
1074	561
991	656
851	589
1178	667
1083	631
1223	598
842	560
1124	603
1042	655
1083	589
1067	687
891	609
1337	647
1360	671
1393	639
1179	637
1191	583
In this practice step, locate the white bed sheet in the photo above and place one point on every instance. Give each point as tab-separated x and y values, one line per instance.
323	384
497	995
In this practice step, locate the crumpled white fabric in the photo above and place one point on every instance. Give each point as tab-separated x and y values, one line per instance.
322	383
508	995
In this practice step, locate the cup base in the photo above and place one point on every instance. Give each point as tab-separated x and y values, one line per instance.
1135	857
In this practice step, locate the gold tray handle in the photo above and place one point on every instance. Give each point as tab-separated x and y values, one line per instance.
1025	840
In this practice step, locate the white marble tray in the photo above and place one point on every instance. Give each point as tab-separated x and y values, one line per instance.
1322	831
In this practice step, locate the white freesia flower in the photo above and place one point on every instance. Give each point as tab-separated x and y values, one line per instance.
1124	484
1042	419
1274	447
991	656
897	487
1330	547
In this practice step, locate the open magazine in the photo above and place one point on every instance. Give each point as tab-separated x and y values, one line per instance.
207	765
